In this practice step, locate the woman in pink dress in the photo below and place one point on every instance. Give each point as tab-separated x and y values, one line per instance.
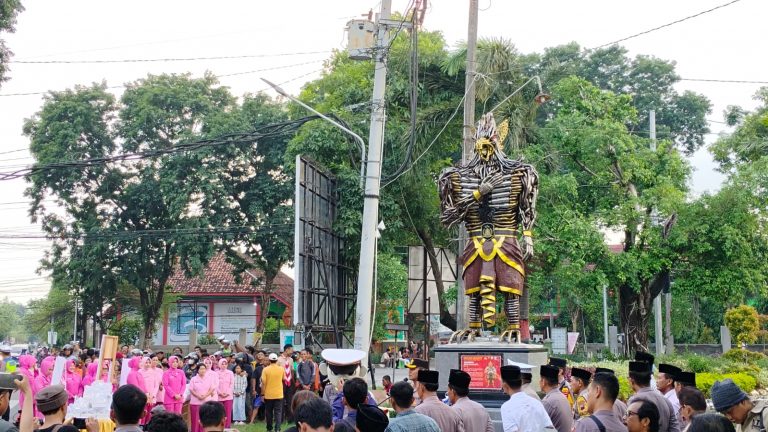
134	377
157	368
90	374
174	384
152	385
225	390
202	389
27	365
43	378
208	362
73	382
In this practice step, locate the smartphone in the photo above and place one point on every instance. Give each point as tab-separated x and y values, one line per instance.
6	381
79	423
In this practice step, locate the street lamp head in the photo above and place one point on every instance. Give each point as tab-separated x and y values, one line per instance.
542	98
276	87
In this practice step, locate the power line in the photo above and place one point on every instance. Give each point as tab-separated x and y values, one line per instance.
216	76
724	81
114	235
665	25
167	59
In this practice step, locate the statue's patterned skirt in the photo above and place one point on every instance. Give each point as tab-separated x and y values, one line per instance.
496	262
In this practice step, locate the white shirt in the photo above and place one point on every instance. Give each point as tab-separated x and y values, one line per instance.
671	396
522	413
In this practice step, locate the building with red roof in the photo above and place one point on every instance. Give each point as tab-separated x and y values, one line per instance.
216	303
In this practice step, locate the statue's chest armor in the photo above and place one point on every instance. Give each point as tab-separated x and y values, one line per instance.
503	196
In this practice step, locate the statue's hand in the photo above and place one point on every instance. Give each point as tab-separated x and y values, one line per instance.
527	248
490	182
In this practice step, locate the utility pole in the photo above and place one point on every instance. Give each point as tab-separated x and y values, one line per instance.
363	317
668	319
657	300
605	314
74	331
467	147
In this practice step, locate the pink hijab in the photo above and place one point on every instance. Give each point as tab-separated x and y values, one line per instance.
43	379
73	381
27	365
90	375
134	377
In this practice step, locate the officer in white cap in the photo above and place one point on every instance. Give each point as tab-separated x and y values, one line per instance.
341	365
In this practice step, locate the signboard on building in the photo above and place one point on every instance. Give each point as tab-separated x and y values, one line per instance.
229	318
485	371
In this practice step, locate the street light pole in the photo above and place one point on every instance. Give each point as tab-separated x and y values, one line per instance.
360	141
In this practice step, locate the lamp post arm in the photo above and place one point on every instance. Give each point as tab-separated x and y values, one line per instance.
360	141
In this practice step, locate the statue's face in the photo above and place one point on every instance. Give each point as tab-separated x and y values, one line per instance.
484	148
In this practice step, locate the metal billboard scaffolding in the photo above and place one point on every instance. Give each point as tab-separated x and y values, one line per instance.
324	292
422	289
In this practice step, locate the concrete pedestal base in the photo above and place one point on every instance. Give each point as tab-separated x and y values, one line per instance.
448	357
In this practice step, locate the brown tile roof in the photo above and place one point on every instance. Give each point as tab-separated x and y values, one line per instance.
616	248
217	280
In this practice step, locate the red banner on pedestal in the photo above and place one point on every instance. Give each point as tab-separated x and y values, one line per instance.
485	371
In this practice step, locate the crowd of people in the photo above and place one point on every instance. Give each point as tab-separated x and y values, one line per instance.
236	385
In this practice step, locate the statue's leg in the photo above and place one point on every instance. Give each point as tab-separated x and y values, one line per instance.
475	321
512	310
488	303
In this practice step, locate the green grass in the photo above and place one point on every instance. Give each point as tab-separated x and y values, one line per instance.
258	427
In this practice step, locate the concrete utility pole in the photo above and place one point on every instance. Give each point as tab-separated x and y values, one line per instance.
657	300
467	147
605	314
668	319
363	317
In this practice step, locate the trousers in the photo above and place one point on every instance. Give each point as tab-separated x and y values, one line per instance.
274	413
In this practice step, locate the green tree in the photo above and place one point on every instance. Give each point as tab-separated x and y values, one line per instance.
53	311
112	213
128	330
743	322
409	205
620	184
749	142
9	10
248	185
392	283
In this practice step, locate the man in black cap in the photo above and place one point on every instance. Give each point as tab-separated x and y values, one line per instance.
665	383
619	406
445	417
579	382
684	379
554	400
650	359
521	413
732	402
371	418
640	380
473	414
565	387
603	392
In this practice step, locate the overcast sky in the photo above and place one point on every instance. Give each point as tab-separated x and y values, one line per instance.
718	45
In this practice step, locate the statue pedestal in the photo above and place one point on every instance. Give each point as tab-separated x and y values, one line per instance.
449	357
